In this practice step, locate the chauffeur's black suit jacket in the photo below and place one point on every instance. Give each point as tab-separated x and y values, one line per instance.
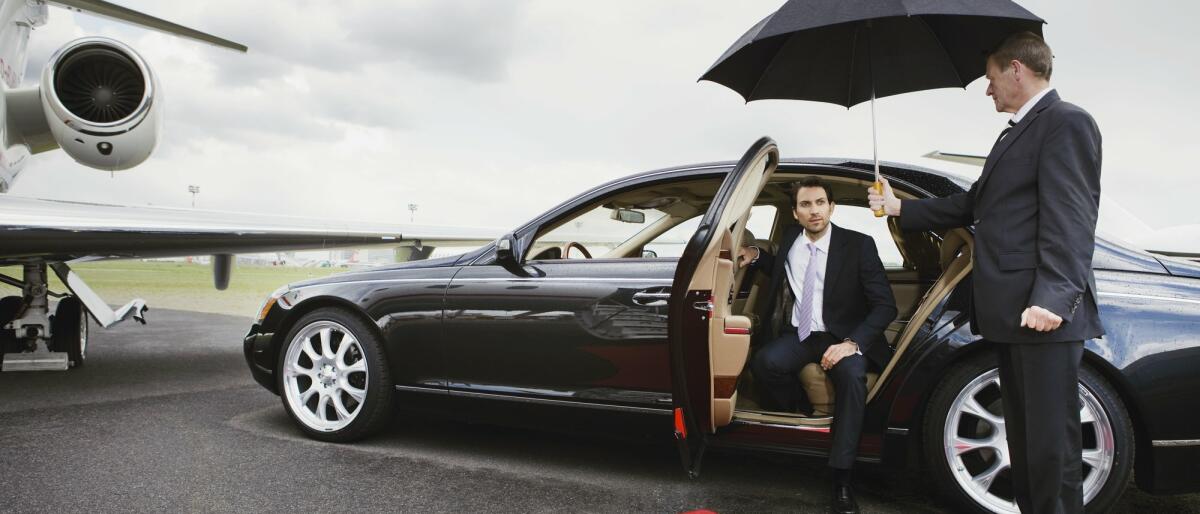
857	300
1034	209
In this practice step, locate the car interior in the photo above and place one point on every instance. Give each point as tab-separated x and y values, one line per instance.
925	268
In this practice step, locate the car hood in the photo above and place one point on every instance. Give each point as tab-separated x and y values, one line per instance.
373	272
1180	266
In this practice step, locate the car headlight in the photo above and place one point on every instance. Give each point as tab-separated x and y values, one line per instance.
269	303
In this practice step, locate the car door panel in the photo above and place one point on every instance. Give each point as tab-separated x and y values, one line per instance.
708	343
585	330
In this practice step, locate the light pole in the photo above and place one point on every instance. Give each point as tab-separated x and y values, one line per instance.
412	212
194	190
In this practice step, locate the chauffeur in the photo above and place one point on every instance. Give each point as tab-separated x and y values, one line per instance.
1034	209
843	304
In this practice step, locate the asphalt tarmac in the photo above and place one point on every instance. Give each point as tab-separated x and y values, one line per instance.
165	417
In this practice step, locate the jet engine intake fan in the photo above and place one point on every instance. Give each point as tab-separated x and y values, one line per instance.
100	102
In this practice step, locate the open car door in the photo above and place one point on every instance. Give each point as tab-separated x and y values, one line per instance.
708	343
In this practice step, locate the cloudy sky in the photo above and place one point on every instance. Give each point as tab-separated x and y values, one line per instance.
488	112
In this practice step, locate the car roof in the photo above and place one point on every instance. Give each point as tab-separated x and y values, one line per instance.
937	182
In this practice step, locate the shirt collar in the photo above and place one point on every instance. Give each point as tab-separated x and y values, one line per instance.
822	243
1029	105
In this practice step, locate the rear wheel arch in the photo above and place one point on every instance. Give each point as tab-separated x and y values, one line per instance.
1142	454
915	446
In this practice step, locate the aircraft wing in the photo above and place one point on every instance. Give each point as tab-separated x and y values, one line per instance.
126	15
56	230
961	158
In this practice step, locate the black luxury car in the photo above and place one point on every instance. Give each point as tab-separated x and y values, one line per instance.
625	303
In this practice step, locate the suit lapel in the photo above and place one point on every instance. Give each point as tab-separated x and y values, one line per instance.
835	261
1004	144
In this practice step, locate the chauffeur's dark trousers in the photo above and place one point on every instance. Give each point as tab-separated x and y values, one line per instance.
1040	394
776	367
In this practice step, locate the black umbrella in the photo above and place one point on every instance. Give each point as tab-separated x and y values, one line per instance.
849	51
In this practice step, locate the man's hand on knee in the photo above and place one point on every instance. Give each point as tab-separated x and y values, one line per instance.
836	352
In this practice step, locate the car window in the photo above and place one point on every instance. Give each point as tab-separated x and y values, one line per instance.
861	219
671	242
598	230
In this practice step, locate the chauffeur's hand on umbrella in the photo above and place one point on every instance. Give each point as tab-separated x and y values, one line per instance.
1040	319
888	200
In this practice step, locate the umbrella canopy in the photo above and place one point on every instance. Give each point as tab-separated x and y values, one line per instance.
842	51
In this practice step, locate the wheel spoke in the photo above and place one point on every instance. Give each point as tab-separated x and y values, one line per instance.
1086	415
308	393
1093	457
340	407
297	370
359	365
322	405
964	445
310	352
984	480
358	394
326	350
972	407
343	348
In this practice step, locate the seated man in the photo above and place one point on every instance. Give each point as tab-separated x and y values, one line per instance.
843	304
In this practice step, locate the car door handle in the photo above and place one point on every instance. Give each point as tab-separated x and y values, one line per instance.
651	299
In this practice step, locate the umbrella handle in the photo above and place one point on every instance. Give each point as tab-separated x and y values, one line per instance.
879	190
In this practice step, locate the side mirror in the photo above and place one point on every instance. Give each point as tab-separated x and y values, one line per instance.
628	216
649	254
504	250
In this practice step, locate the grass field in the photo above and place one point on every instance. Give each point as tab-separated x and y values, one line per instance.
178	285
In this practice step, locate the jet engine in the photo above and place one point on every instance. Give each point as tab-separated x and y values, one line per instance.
100	102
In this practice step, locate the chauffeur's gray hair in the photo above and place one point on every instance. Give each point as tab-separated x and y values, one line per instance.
1030	49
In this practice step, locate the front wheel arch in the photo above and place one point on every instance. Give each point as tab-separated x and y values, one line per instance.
295	313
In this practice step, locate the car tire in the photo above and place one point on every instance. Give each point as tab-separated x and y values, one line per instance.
69	330
1107	466
333	376
9	305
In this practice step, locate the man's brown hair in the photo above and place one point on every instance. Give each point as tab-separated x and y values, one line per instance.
810	181
1030	49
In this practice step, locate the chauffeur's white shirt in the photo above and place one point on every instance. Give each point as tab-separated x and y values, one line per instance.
1029	105
797	266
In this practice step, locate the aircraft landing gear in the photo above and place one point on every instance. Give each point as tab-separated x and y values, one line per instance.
33	340
69	330
9	305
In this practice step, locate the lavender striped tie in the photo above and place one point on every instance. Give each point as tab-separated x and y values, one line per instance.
805	308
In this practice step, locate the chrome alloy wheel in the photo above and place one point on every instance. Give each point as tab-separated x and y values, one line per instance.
325	376
976	447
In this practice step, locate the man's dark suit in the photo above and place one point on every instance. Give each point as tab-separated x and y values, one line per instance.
1034	209
857	304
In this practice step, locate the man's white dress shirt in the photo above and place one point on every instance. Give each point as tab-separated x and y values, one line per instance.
797	266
